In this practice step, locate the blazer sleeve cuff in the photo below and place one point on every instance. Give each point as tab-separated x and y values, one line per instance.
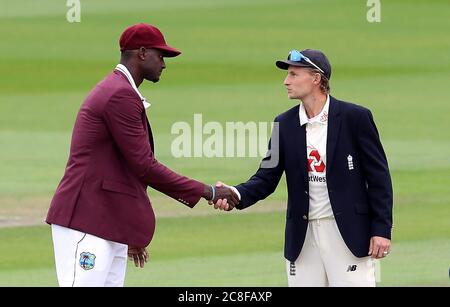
191	199
381	231
236	191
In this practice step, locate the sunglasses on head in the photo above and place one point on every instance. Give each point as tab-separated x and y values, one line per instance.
297	56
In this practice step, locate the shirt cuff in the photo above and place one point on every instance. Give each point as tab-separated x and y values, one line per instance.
236	191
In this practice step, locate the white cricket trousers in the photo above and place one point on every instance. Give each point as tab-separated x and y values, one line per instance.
325	260
84	260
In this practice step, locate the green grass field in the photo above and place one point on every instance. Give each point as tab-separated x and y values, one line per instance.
399	68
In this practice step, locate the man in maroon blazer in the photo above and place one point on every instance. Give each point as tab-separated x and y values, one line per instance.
100	210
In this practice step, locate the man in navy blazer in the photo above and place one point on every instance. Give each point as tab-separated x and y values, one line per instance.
339	209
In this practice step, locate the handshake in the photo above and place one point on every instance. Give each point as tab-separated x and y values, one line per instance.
222	197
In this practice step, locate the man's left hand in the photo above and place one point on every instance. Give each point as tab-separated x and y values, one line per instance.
139	255
379	247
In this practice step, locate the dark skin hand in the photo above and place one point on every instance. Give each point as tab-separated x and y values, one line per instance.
222	193
139	255
221	203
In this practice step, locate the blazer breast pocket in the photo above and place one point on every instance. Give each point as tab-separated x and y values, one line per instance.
118	187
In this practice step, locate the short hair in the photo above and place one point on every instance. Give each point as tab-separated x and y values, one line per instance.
126	54
324	82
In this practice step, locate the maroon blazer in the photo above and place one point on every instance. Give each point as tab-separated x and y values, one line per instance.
104	188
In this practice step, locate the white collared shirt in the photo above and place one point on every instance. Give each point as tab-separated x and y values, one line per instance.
322	117
126	72
316	146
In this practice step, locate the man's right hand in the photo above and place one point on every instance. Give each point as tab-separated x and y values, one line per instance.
223	203
224	198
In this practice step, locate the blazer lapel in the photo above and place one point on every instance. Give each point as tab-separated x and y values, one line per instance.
334	125
299	144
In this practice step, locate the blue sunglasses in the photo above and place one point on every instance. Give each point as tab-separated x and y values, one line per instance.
297	56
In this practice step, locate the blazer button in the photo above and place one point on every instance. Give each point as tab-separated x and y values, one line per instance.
304	217
306	192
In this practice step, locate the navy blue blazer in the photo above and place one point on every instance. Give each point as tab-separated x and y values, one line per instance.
361	198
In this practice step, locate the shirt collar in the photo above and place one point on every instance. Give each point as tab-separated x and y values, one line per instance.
321	118
123	69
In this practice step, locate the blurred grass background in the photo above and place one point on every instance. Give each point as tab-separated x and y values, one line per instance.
399	68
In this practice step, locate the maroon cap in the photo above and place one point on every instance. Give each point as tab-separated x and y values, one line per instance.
147	36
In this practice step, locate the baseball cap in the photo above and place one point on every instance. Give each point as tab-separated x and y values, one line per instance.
307	58
147	36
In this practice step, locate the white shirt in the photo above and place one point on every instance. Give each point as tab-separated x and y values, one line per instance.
316	146
126	72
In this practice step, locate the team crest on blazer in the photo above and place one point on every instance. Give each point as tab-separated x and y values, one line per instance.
87	261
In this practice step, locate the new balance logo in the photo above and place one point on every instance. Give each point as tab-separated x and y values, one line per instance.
351	268
292	269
